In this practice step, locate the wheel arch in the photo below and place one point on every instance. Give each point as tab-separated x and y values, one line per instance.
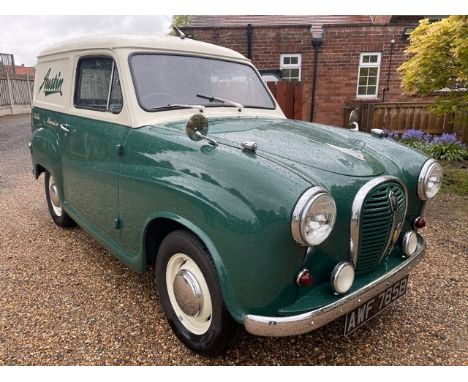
45	153
159	226
38	170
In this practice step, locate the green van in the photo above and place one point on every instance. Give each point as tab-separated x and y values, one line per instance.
173	152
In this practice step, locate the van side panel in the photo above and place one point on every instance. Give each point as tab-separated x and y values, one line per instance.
53	83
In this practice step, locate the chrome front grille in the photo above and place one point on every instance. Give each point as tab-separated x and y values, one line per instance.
378	213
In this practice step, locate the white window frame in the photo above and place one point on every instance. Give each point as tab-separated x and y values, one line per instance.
292	66
369	65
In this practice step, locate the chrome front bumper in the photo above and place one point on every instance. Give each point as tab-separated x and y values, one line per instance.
306	322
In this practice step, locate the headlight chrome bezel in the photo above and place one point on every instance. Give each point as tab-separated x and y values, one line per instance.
428	166
410	243
303	205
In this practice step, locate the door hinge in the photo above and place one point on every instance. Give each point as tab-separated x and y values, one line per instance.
117	223
120	150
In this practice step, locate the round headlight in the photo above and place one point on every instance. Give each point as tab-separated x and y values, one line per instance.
313	217
430	180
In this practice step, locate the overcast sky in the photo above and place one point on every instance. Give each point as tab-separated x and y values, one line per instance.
26	36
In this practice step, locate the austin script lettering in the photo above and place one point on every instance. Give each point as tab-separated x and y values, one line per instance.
52	85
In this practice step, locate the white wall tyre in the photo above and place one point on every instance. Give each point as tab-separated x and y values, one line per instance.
190	295
59	216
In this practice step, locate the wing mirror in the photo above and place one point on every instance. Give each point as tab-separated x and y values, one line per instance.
353	120
197	128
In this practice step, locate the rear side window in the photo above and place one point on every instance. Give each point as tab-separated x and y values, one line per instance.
98	85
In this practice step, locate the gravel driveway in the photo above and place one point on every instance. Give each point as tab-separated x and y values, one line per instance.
65	300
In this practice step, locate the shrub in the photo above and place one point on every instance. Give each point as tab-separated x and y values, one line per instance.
453	152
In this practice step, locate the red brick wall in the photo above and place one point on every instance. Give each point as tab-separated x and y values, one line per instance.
338	61
268	43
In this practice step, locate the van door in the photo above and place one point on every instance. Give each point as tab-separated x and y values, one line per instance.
50	102
91	147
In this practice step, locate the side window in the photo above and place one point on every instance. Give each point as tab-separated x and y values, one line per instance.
290	64
368	76
98	85
115	99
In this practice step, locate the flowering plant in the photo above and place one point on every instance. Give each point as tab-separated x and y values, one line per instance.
444	147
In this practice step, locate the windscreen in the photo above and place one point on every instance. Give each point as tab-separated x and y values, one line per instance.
161	80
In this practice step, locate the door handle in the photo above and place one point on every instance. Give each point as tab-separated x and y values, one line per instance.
65	127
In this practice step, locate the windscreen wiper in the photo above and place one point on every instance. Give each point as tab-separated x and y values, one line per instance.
174	106
216	99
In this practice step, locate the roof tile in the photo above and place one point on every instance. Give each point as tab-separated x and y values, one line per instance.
316	21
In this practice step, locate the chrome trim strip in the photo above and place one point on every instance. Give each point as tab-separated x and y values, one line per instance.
296	219
423	209
422	178
306	322
110	85
357	206
65	127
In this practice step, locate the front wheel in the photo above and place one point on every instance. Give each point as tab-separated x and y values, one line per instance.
59	216
190	295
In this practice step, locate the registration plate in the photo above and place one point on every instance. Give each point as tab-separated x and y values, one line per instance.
374	306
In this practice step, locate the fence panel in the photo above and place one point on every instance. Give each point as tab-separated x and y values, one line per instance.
4	95
298	101
21	88
289	96
21	94
400	117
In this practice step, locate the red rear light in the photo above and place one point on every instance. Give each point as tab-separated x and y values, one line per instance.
304	278
419	222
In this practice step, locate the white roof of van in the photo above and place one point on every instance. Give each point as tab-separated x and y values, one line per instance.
141	41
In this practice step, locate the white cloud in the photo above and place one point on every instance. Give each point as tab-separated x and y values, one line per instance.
27	36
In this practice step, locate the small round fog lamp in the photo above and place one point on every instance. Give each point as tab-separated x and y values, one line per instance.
410	243
342	277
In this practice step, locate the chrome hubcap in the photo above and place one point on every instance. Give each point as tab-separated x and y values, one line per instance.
54	197
188	293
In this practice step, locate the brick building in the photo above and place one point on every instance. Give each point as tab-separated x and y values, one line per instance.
22	70
353	58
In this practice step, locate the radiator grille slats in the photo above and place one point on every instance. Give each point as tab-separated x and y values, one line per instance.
377	221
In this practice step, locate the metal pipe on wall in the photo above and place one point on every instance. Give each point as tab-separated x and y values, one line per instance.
387	88
316	43
249	41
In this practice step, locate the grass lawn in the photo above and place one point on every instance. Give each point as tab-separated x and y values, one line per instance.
455	177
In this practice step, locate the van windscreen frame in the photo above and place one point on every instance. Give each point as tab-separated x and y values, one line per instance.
138	84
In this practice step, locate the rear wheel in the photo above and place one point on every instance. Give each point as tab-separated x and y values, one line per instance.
59	216
190	295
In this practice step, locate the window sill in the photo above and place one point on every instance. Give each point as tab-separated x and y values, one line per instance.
361	99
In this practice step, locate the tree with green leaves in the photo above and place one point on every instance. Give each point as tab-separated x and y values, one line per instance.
179	21
438	63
